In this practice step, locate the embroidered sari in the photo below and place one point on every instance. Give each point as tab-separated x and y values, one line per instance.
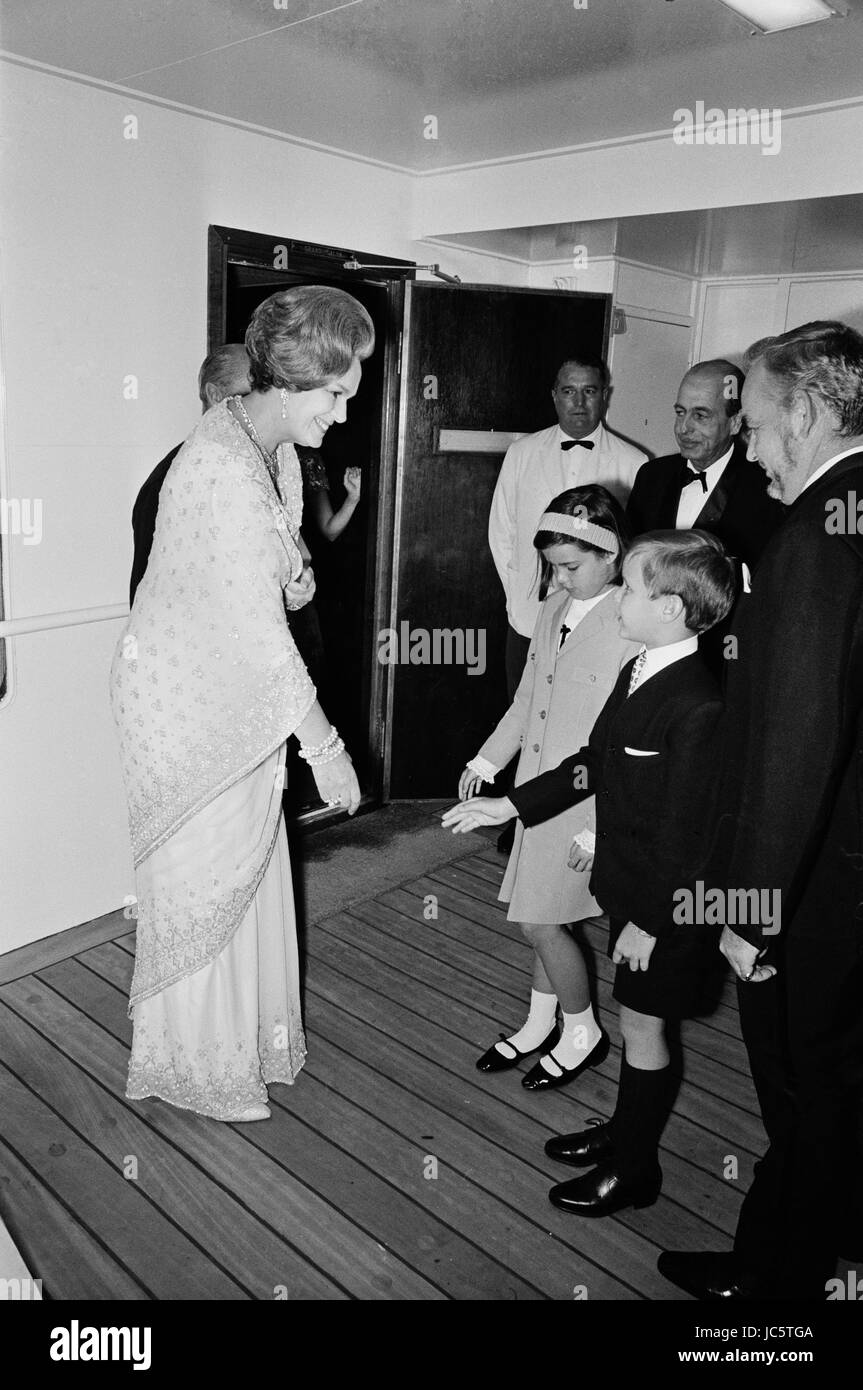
206	686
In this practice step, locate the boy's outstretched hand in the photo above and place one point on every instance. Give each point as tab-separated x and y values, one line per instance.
480	810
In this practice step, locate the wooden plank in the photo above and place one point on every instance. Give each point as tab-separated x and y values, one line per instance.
166	1262
235	1238
720	1128
436	988
436	1259
488	1111
484	909
500	1150
61	1252
477	1187
494	1103
14	965
440	940
323	1235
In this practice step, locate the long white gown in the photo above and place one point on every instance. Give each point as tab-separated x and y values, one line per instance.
207	685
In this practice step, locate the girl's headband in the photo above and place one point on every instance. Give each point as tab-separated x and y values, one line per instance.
580	529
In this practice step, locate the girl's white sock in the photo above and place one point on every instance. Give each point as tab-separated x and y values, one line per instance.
537	1026
578	1037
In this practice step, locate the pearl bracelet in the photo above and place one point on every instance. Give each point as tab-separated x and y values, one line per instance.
309	751
334	751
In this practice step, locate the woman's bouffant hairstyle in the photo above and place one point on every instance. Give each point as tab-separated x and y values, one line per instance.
303	337
694	565
595	504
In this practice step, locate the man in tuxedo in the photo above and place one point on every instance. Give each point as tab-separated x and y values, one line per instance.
710	483
579	449
225	372
790	819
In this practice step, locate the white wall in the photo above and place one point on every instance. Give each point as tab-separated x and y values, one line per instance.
104	275
736	312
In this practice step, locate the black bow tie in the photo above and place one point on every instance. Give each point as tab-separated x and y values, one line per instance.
571	443
691	475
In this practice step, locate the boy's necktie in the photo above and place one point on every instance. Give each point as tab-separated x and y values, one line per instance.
636	671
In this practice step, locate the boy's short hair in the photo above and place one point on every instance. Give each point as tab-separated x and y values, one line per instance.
693	564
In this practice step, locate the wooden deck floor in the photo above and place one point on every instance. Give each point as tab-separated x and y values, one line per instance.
336	1196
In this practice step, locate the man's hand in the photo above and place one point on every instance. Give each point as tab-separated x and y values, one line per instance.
480	810
743	957
633	946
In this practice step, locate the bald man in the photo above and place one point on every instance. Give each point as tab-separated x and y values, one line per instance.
225	372
710	484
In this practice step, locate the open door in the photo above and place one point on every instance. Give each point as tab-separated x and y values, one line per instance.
353	573
478	365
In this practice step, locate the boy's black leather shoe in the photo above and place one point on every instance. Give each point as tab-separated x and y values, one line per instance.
583	1149
604	1191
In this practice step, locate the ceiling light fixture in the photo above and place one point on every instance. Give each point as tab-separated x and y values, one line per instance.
772	15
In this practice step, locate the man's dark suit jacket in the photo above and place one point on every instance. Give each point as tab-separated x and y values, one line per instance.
791	792
653	814
738	510
144	519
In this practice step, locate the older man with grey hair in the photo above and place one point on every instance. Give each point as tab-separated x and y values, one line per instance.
790	823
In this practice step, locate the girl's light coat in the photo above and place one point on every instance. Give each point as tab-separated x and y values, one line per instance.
555	706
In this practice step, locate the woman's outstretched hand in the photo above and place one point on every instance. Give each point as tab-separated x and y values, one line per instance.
337	783
480	810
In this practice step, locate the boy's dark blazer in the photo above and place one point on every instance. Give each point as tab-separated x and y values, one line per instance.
653	812
738	510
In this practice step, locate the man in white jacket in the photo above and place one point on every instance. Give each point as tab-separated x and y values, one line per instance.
577	450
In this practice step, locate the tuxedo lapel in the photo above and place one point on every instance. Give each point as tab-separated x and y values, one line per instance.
714	507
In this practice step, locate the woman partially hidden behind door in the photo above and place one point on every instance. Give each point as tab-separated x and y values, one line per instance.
206	686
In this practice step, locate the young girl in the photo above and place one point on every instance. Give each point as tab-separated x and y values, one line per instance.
574	659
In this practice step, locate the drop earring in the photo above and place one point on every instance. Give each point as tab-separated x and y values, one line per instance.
284	395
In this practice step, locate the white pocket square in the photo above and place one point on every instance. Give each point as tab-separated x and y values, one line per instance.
642	752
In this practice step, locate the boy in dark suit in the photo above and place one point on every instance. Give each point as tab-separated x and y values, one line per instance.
648	762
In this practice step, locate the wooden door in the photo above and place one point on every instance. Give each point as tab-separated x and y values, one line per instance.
480	359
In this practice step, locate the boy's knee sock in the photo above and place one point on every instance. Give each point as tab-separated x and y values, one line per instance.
639	1118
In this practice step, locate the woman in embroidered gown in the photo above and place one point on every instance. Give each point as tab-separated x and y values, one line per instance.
207	685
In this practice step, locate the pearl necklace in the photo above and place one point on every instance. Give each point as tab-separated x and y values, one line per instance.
269	459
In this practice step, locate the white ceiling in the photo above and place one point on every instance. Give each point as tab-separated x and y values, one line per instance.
503	77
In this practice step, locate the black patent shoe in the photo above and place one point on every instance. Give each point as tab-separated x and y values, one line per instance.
495	1061
584	1149
707	1275
605	1191
539	1079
